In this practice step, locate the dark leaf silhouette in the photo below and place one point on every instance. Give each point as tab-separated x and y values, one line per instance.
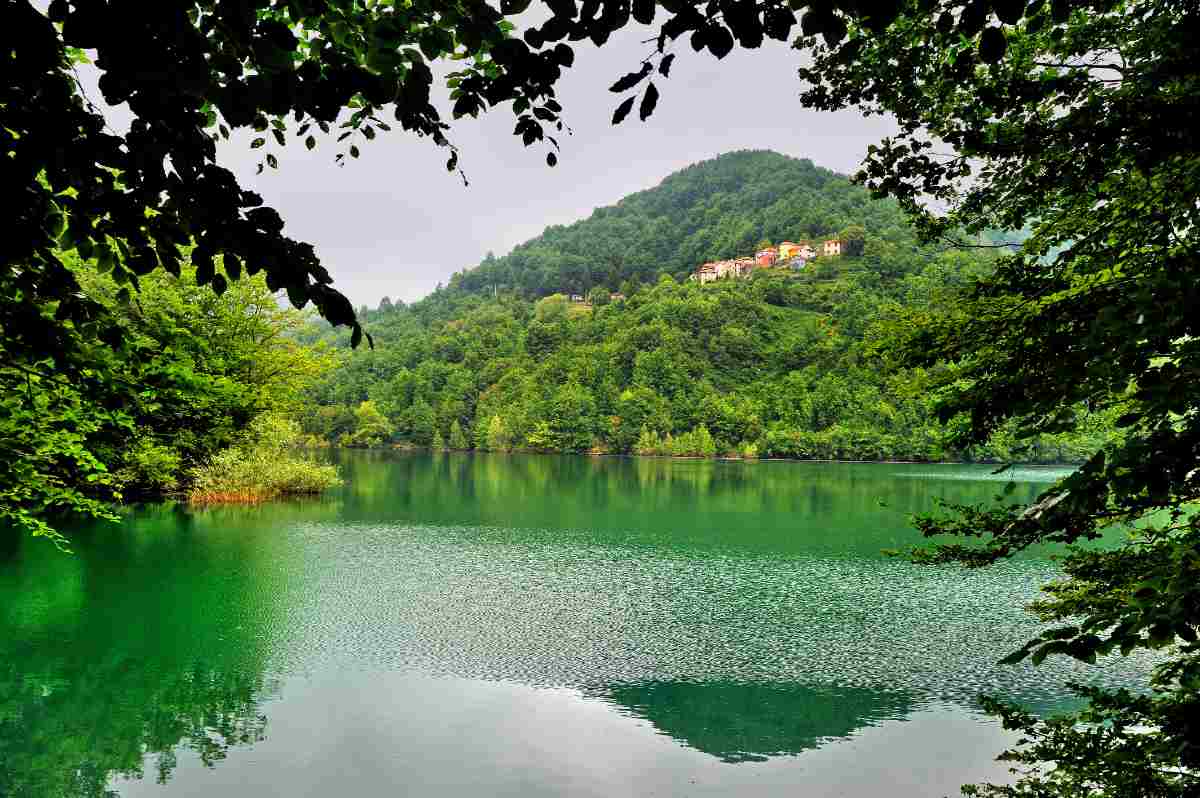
623	110
629	81
992	44
649	101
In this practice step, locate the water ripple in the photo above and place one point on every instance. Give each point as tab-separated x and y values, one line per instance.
473	602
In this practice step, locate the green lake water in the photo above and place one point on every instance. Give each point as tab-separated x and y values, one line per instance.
462	625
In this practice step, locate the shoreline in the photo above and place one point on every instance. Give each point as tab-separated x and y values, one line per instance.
631	456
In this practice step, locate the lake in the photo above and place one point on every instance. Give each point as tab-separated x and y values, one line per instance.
465	625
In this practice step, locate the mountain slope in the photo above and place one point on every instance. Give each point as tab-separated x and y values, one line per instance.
719	208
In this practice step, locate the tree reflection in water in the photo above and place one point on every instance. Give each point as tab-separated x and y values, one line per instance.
145	641
750	722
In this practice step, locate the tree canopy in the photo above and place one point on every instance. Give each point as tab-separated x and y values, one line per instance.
1076	123
194	371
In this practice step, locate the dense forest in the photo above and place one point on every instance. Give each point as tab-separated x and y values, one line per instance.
199	398
781	364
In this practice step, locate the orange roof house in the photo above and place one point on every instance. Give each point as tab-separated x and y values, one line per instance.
766	257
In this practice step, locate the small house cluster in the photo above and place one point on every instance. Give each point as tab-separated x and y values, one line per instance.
789	254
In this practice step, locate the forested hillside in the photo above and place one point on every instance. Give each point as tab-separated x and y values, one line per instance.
715	209
778	364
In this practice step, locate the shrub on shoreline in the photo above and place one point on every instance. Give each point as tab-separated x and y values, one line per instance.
266	466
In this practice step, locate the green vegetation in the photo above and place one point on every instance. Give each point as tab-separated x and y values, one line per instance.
267	465
713	210
1075	122
779	365
194	372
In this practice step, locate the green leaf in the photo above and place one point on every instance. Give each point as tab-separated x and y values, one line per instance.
296	295
258	142
511	8
233	266
564	55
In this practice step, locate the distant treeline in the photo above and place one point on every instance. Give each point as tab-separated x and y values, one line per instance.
775	366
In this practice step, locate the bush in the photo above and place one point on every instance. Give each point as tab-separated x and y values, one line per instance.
696	443
458	439
266	466
648	443
371	426
495	438
150	466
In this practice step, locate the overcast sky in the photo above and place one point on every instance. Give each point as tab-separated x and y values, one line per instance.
396	223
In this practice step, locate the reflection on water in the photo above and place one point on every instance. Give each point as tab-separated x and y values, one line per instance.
147	640
752	722
743	611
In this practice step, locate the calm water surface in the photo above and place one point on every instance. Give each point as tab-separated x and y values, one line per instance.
464	625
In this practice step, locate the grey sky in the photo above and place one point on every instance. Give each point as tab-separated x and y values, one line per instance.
396	223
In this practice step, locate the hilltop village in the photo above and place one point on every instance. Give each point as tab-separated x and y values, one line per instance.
789	254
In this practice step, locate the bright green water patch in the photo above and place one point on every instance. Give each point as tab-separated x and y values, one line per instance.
465	625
